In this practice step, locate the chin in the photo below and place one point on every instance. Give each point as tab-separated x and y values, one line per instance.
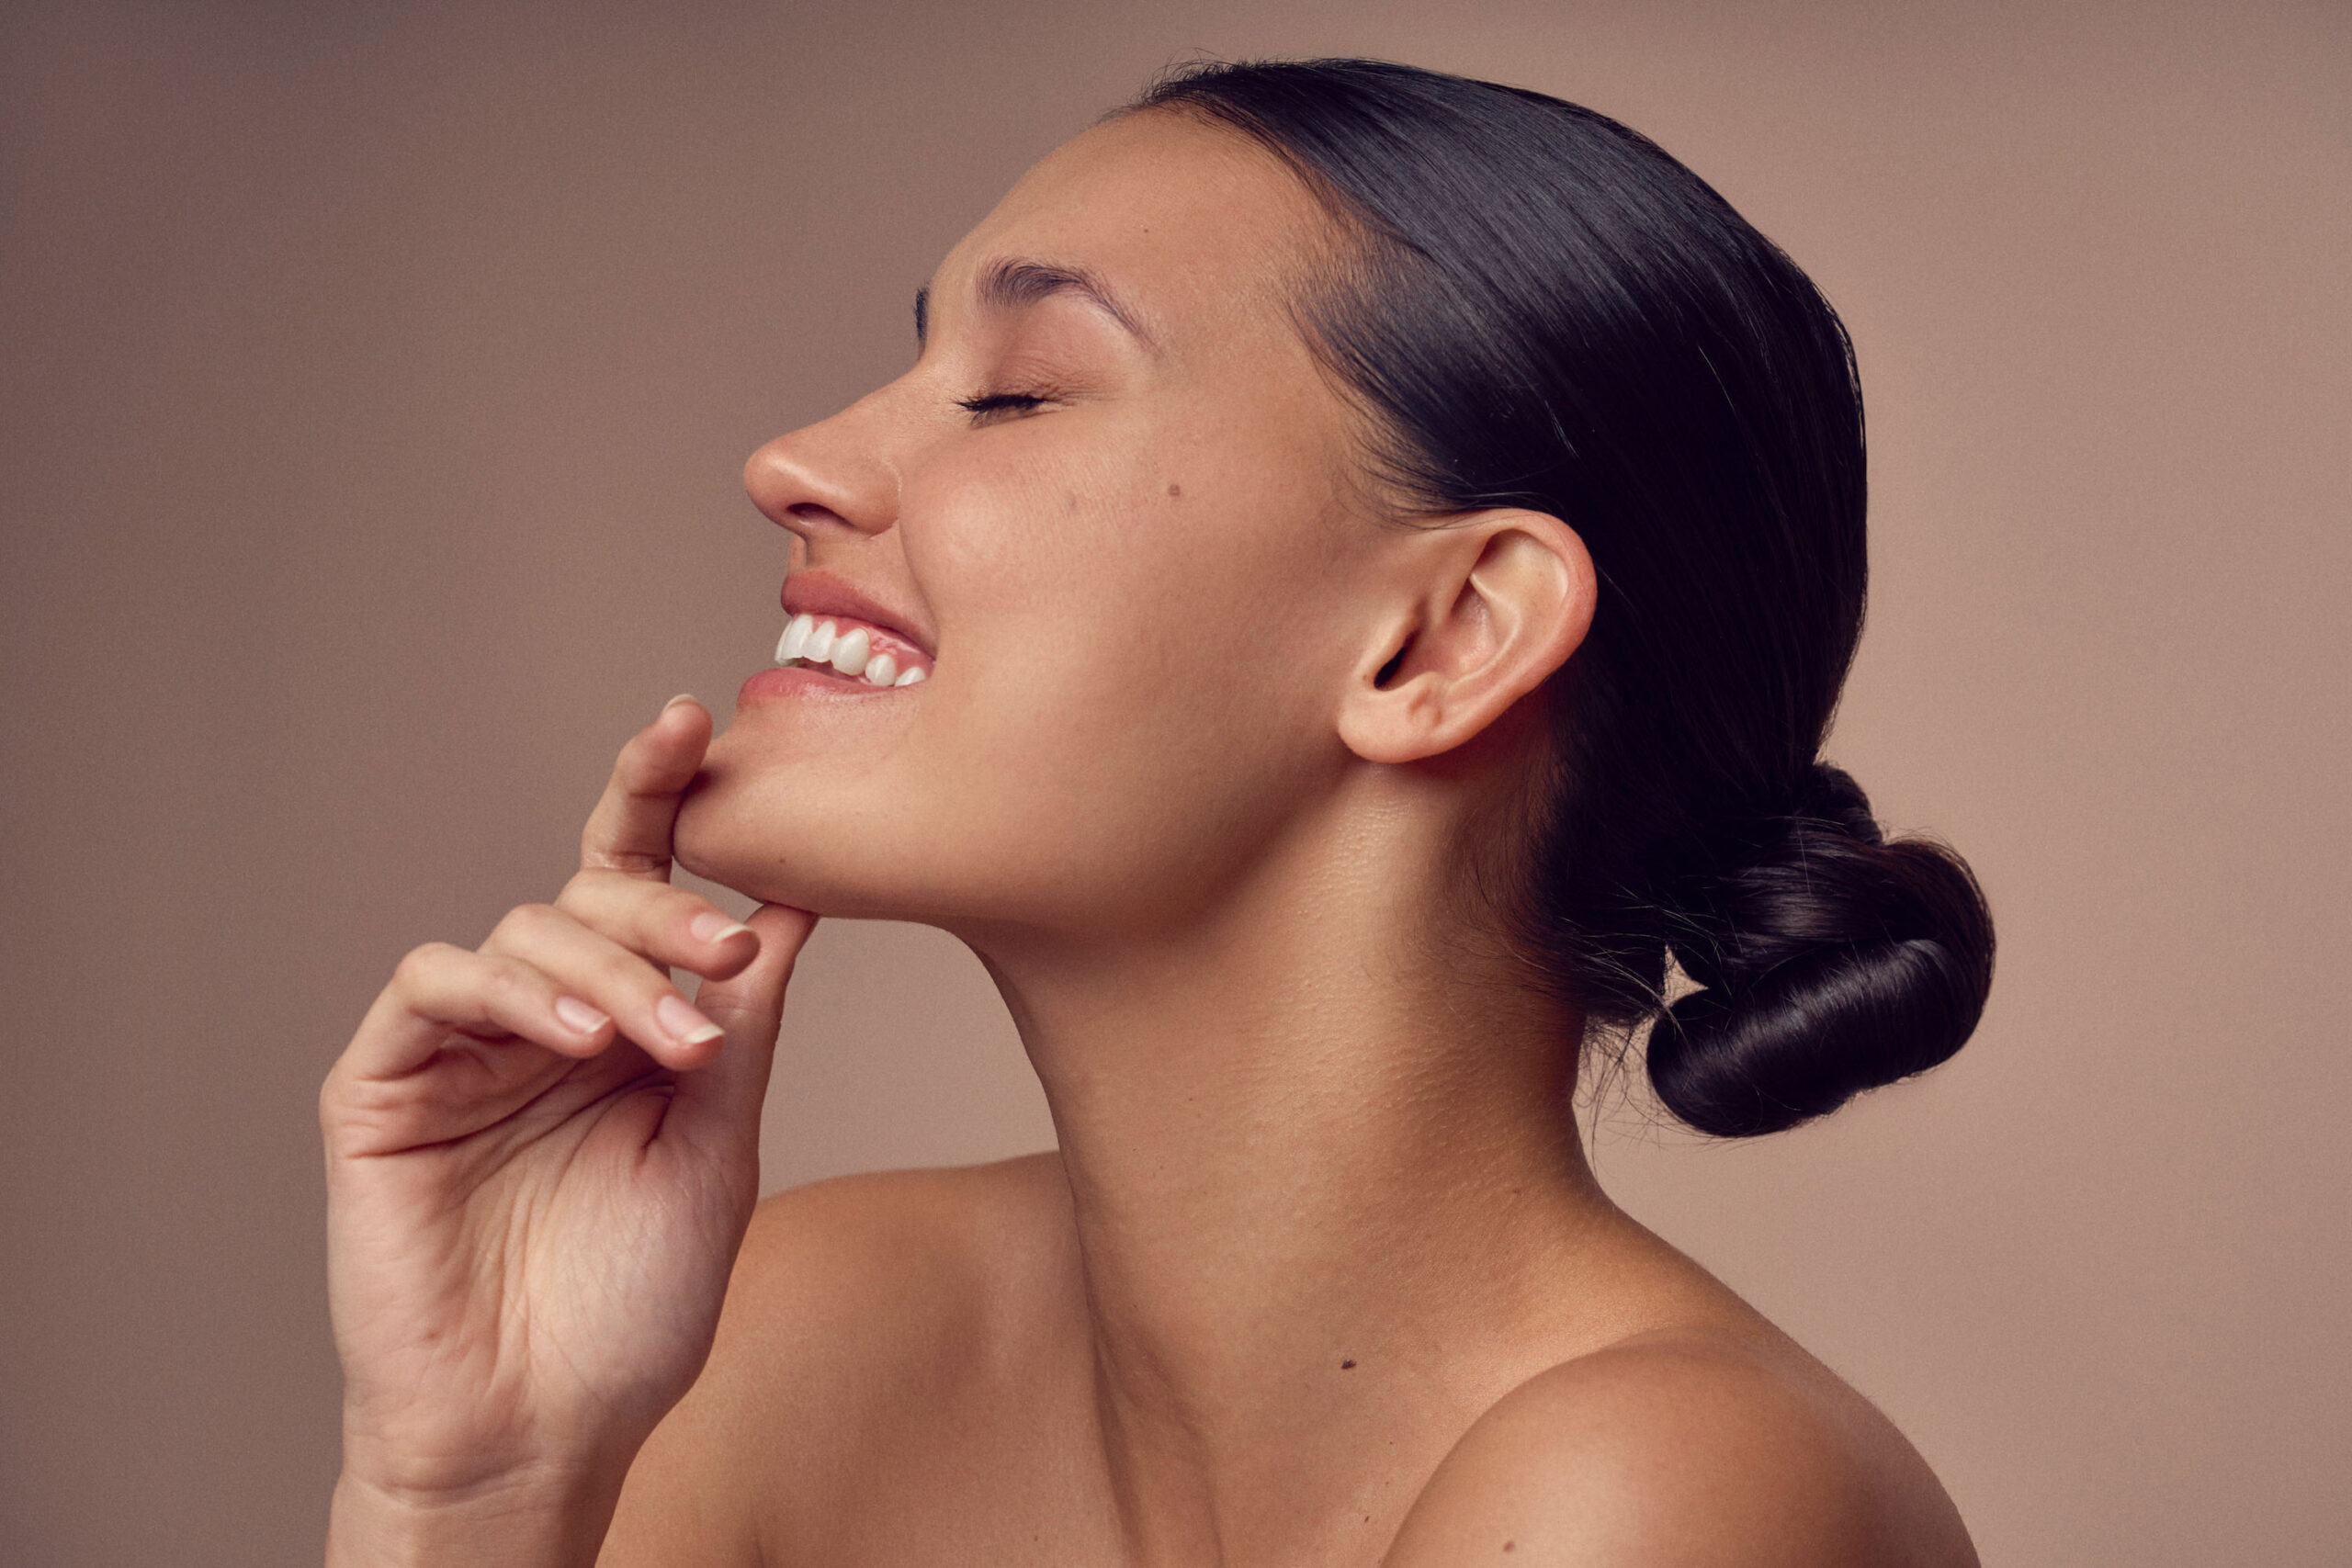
724	839
781	845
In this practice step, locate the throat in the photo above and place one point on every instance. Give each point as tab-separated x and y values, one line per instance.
1306	1235
1326	1200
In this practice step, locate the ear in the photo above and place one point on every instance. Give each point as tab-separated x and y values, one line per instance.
1488	608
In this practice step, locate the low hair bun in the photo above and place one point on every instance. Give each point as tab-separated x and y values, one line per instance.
1831	962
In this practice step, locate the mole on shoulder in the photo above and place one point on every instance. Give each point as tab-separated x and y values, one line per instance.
1346	1364
1174	489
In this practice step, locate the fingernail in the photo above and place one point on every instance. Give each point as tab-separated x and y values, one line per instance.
683	1023
681	697
578	1016
713	927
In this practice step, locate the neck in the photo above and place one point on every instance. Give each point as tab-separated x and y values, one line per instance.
1327	1187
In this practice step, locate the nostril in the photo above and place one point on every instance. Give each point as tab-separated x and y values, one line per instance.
810	511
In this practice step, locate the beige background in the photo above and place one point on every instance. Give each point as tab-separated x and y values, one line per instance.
376	381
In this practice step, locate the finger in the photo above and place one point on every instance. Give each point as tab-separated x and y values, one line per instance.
717	1108
634	993
669	925
439	988
630	829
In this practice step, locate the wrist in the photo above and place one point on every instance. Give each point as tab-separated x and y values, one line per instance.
542	1520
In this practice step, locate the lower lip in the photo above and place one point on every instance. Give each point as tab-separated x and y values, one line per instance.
800	681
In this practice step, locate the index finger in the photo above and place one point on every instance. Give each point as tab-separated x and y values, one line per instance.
629	830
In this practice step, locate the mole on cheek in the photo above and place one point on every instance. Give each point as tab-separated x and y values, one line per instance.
1174	490
1070	503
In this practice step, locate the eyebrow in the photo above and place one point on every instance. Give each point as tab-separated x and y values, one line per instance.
1014	283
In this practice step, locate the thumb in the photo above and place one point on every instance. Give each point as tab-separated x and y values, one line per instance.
716	1107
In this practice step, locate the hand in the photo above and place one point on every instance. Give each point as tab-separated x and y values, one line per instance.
540	1161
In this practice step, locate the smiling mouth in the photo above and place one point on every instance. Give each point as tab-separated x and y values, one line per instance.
843	646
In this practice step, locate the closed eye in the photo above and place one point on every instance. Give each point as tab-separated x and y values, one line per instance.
984	404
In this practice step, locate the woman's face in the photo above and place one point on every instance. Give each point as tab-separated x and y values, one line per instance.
1108	513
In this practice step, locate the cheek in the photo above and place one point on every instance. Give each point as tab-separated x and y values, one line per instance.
1143	681
1135	591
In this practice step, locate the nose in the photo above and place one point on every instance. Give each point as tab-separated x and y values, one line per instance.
825	478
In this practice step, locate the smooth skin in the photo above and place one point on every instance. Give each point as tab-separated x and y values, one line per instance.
1318	1274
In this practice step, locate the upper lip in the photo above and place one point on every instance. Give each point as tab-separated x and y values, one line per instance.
815	593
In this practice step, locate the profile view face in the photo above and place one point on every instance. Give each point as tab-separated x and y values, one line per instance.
1348	598
1113	517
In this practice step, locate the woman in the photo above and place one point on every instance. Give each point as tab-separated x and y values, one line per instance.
1357	575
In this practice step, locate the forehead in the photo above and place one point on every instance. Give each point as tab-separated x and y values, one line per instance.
1193	224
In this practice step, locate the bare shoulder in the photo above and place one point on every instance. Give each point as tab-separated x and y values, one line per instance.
1690	1446
910	1248
854	1301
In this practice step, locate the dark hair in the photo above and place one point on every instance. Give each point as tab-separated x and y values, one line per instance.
1539	307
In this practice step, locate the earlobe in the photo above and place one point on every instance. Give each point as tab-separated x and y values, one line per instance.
1494	604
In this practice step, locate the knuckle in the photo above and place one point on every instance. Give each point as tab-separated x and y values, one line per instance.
525	921
421	962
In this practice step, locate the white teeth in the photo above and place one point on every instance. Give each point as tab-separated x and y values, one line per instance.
794	639
810	642
849	654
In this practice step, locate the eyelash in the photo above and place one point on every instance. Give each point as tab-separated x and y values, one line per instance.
981	405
